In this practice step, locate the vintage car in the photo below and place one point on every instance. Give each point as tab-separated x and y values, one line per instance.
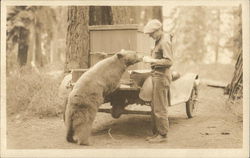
184	89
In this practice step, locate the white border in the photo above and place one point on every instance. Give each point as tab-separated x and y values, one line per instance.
126	2
130	152
246	57
3	78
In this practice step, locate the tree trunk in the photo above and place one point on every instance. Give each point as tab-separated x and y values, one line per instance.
217	45
123	15
234	89
31	51
77	40
23	46
148	13
135	15
38	48
237	40
157	13
100	15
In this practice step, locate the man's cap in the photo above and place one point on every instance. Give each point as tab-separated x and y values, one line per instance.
152	26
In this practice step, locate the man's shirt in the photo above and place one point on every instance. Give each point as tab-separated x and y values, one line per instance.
163	51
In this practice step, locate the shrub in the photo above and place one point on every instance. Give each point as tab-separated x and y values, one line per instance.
33	94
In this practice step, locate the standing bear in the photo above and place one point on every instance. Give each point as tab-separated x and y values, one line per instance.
89	93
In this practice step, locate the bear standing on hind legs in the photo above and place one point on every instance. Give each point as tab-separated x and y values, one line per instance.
89	93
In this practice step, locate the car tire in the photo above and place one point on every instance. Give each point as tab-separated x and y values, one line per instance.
192	103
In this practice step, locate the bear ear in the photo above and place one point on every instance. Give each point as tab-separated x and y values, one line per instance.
120	54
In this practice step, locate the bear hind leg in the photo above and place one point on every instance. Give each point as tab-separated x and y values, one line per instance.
82	125
70	134
69	125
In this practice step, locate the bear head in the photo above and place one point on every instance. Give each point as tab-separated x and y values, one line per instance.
128	57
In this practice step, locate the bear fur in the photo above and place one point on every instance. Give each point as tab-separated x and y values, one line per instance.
89	93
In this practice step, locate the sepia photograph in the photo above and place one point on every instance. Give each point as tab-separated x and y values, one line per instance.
125	78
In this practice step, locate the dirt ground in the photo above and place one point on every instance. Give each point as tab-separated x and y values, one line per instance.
214	126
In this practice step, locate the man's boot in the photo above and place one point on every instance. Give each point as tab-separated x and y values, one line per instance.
158	139
155	134
151	137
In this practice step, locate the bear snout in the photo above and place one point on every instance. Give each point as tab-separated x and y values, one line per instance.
139	58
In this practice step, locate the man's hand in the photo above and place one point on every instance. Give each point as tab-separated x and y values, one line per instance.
148	59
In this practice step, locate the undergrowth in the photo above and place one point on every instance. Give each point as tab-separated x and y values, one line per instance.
33	94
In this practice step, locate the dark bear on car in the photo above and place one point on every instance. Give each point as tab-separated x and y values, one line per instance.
90	91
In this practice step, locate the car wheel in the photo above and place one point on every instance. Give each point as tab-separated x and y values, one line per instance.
192	103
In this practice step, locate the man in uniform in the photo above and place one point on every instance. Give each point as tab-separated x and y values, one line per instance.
161	60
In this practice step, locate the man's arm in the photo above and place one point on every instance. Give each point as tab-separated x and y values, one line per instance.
167	54
165	62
